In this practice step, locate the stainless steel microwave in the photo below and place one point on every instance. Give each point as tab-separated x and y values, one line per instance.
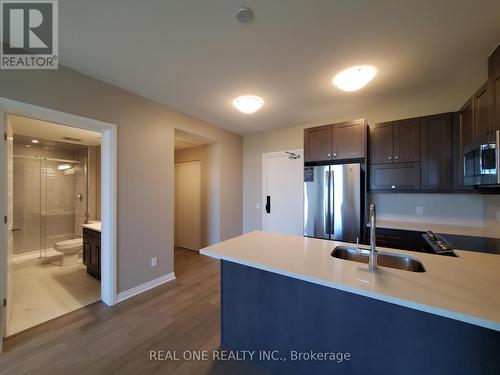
481	164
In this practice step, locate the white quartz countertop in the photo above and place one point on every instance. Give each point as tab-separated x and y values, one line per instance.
93	226
440	228
465	288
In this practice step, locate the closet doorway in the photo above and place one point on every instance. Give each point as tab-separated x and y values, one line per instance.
187	205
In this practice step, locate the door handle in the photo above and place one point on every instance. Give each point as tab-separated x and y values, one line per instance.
16	229
268	204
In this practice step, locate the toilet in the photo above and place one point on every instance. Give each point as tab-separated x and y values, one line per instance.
69	250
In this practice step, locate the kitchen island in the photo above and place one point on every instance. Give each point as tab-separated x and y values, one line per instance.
288	294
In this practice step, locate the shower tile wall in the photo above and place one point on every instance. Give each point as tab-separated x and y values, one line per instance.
44	198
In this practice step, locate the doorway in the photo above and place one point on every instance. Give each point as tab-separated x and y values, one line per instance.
187	205
282	192
53	173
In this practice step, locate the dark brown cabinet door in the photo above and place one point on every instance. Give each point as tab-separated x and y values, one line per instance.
318	143
349	140
407	140
395	177
437	152
482	114
495	107
381	143
494	78
463	139
92	252
466	120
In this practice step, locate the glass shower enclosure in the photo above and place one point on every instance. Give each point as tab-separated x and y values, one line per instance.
50	201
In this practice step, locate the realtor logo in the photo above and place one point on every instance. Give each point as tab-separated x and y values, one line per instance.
29	35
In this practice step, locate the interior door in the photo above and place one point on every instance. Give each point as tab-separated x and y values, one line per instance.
282	192
6	207
187	225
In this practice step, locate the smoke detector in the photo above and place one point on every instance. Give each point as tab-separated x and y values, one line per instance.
245	15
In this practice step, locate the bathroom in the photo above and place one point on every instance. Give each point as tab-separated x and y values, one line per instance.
55	188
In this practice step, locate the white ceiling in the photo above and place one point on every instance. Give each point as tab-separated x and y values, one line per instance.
195	57
35	129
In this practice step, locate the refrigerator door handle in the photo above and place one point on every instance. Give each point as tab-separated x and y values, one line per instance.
332	203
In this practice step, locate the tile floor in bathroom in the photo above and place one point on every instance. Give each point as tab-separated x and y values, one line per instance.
42	292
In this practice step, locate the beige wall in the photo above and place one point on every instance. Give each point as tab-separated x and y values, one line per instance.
208	155
145	162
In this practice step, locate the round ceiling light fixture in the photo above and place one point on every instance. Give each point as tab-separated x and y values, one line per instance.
354	78
248	103
245	15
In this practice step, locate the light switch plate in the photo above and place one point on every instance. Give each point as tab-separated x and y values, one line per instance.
257	206
154	262
419	210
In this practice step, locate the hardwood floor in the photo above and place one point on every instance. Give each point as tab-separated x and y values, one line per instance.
180	315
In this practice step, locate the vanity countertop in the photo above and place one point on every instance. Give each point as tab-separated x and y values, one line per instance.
464	288
93	226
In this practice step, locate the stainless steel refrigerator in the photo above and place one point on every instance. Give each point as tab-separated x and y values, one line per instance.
332	202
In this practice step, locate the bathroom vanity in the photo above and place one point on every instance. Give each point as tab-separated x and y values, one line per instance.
289	295
92	248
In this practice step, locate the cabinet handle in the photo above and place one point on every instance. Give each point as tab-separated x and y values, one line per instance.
389	157
396	157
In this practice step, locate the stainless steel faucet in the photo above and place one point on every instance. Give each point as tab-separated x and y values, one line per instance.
372	262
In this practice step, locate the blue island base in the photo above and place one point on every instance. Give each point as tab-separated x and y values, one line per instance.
279	318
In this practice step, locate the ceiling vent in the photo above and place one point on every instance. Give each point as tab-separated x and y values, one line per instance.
71	139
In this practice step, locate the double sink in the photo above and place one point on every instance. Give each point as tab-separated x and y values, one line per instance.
384	259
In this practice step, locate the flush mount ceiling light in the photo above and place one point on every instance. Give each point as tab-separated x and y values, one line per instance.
35	141
354	78
248	103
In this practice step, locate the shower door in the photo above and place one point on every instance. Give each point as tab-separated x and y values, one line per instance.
58	202
27	197
45	203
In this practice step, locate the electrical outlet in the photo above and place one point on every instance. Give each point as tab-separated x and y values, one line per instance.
498	215
419	210
154	262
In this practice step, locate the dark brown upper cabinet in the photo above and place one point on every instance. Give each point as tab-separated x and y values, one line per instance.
318	143
381	143
345	140
349	140
407	140
436	152
494	79
466	123
395	177
462	133
395	142
481	112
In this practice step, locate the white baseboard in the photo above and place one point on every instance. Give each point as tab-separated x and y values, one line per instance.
122	296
